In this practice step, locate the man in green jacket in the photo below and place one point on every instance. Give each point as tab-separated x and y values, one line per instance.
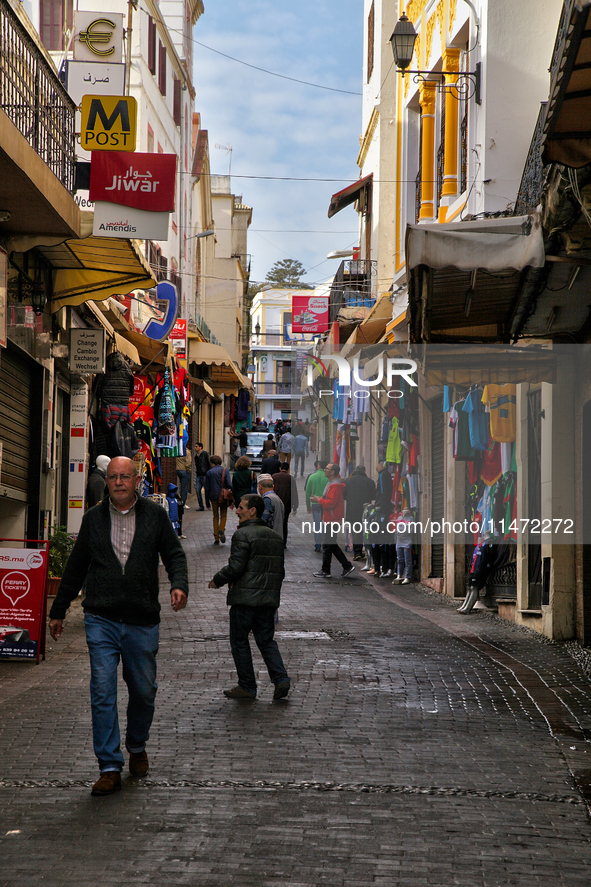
116	552
254	574
315	486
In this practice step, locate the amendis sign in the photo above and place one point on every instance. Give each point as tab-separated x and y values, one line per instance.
109	123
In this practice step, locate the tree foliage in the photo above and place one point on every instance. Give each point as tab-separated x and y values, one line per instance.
287	273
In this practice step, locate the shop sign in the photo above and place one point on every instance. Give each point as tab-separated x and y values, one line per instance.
87	351
141	181
113	220
98	36
309	314
96	78
160	329
178	338
23	580
109	123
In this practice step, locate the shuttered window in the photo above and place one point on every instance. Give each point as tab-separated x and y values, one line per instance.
162	68
151	45
176	113
15	420
370	40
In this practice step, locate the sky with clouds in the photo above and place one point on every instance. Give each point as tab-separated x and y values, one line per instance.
278	128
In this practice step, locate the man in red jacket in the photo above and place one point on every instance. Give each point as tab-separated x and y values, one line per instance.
333	511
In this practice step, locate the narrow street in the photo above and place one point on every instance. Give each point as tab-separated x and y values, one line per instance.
417	747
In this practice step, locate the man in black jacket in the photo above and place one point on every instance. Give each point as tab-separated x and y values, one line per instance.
116	553
254	574
359	491
202	466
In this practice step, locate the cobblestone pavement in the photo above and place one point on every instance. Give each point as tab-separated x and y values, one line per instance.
417	747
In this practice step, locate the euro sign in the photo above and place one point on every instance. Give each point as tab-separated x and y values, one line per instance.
91	37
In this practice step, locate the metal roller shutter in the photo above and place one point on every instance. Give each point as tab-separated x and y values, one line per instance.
437	479
15	420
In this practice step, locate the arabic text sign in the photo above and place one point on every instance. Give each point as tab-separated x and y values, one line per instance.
108	123
87	351
23	575
113	220
97	78
98	36
141	181
309	314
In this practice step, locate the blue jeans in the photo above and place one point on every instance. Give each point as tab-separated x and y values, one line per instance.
300	459
261	621
185	479
199	483
317	522
136	646
404	556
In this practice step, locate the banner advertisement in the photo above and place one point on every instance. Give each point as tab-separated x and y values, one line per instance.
78	448
309	314
139	181
23	580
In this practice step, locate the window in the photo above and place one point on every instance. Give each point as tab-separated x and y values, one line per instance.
176	109
370	40
151	45
161	68
56	16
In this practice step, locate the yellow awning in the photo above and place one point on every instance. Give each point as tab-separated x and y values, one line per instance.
96	268
157	354
226	378
119	343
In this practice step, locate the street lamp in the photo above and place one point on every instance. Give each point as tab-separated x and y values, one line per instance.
257	331
466	83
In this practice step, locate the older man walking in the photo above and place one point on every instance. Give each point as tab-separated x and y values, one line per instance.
116	554
254	574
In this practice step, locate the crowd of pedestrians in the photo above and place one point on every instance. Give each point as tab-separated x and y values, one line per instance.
124	536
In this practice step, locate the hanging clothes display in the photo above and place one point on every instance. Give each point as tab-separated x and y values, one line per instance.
501	401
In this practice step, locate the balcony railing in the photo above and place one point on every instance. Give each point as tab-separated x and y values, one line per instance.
352	286
276	388
532	180
34	99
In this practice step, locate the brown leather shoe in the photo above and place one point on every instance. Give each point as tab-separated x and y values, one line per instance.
109	783
138	763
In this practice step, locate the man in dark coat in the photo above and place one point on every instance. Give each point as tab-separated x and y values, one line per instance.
254	574
202	466
117	554
359	490
271	464
285	487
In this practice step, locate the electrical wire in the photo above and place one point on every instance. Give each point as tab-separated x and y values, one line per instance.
248	64
272	73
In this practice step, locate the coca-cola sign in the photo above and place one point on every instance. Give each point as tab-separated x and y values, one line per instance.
140	181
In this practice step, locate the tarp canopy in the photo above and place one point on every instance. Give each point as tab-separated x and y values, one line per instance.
490	244
96	268
152	352
465	279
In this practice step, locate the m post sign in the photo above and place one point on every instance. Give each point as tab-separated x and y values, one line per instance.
108	123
